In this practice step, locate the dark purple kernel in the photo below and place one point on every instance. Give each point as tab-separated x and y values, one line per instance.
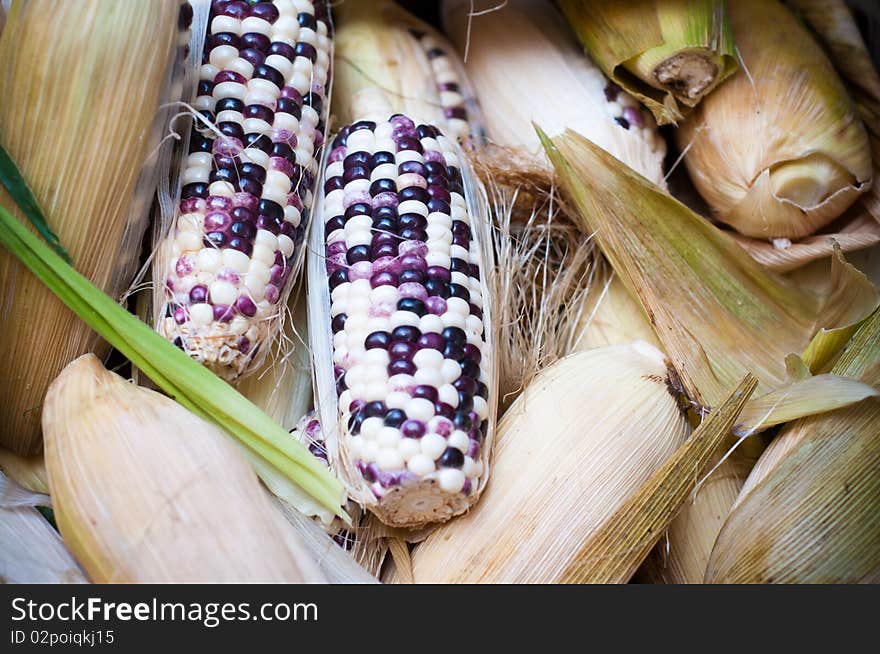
482	390
459	265
178	343
409	143
413	262
246	306
338	322
251	186
435	287
611	92
413	167
355	172
413	235
380	158
384	225
206	87
457	290
469	368
306	50
439	193
455	335
412	304
465	385
413	428
288	106
363	124
215	239
264	71
455	112
451	458
406	333
402	350
358	253
395	418
336	222
453	351
374	409
476	311
194	190
340	139
436	180
473	353
224	175
401	367
436	205
474	270
384	238
242	245
281	150
271	208
284	49
259	141
355	422
368	471
386	250
333	184
253	171
265	10
383	279
427	131
436	168
432	341
358	158
440	273
269	224
208	115
198	294
216	221
253	56
389	213
462	420
426	392
465	401
223	38
229	104
623	122
377	340
184	18
412	276
200	142
242	214
244	230
314	101
255	40
383	186
449	86
307	20
259	111
444	409
412	221
414	193
338	277
484	428
229	76
223	312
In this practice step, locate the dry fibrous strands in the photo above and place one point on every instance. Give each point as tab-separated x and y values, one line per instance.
200	513
78	117
400	285
766	181
224	270
27	471
670	54
611	412
808	512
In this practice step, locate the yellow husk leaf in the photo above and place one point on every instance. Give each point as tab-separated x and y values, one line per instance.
778	151
809	511
601	422
146	492
78	118
27	471
554	67
717	313
669	54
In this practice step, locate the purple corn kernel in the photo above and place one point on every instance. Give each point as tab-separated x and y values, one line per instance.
401	367
377	340
198	294
367	471
426	392
337	247
229	76
413	290
413	247
633	116
359	197
218	203
384	200
223	312
386	250
246	201
285	50
413	262
476	311
291	93
228	145
237	9
431	341
382	310
335	262
474	449
360	270
338	322
399	121
455	112
272	293
412	428
409	143
217	221
180	316
265	10
611	92
465	385
444	409
184	266
437	192
192	205
386	264
467	487
276	274
433	156
242	245
253	56
435	305
246	306
383	279
229	275
402	350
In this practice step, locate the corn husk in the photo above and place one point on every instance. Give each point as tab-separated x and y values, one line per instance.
31	551
669	54
765	181
602	421
717	313
809	511
27	471
145	491
80	116
554	67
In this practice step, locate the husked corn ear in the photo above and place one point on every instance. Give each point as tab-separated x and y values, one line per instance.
248	182
509	75
404	282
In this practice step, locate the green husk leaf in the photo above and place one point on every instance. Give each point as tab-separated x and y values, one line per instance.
190	384
19	191
805	398
615	551
631	40
716	311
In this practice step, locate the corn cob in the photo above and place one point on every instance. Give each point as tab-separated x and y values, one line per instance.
248	181
409	382
553	65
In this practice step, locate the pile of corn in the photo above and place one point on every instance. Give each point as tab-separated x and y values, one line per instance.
531	292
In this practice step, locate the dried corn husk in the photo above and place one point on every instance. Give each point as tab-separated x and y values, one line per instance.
553	66
766	181
602	421
809	511
27	471
670	54
145	491
80	116
31	551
